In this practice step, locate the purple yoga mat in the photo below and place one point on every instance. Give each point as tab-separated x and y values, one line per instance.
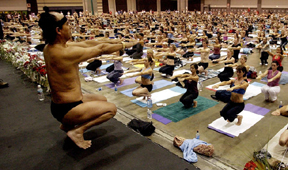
256	109
220	131
126	82
161	119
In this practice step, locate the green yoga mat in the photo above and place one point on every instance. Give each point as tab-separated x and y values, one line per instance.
176	111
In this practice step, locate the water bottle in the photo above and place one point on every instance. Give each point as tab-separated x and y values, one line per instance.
200	85
280	104
149	102
260	72
149	114
197	135
115	88
41	96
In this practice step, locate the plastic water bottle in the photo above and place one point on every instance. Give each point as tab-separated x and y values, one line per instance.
149	114
149	103
280	104
41	96
197	135
115	88
200	85
260	72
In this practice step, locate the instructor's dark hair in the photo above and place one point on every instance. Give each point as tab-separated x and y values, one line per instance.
48	23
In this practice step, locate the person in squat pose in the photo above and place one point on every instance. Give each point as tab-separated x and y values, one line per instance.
77	112
236	103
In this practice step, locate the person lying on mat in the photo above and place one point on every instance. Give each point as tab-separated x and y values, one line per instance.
146	74
272	88
77	112
142	61
236	103
281	111
191	94
283	140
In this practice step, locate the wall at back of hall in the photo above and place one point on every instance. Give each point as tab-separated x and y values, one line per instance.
58	3
13	5
241	5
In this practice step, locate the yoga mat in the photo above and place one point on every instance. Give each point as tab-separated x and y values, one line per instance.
178	72
252	90
275	149
158	96
211	74
105	66
283	78
176	111
249	119
161	119
103	79
126	82
157	85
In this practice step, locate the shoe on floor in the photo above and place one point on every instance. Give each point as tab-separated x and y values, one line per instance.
3	84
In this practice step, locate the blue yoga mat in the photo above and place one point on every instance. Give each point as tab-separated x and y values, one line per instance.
157	85
105	66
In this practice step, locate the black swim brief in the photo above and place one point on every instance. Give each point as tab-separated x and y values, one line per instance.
148	87
60	110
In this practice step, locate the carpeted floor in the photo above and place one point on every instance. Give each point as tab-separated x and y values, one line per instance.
30	137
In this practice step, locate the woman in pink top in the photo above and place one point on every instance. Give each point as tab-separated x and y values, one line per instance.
272	88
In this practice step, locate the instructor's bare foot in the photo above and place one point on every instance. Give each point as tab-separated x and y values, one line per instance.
239	117
195	104
77	137
276	113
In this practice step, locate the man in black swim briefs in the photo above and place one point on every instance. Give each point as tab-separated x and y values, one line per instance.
77	112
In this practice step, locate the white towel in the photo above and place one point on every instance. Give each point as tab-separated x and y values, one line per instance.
103	79
275	149
252	90
160	96
249	119
175	73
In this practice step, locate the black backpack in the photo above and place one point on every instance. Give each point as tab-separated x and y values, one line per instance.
144	128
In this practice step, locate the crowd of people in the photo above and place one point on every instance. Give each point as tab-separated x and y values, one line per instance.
172	39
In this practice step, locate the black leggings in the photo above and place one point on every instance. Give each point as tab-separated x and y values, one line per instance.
167	69
226	74
231	110
188	98
282	45
264	57
115	75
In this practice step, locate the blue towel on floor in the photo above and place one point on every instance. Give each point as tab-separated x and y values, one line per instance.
187	149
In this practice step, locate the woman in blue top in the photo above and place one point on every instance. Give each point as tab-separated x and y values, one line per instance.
236	103
146	73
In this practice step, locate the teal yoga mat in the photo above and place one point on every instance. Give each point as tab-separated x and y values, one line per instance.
176	111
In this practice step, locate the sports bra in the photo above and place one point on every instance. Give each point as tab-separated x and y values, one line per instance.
146	76
239	91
